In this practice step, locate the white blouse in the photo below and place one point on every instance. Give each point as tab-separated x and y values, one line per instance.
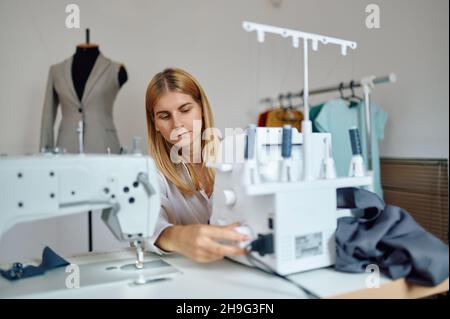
179	209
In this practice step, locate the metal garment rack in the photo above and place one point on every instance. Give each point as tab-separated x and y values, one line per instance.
344	86
391	78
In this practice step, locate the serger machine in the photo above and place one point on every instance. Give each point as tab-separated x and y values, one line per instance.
266	191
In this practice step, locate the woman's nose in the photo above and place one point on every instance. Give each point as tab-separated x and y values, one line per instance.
176	121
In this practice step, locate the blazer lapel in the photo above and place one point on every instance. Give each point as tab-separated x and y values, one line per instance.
99	67
69	81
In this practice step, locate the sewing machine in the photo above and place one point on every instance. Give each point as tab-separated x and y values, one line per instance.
48	185
260	184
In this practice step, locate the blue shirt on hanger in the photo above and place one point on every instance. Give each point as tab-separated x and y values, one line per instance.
336	117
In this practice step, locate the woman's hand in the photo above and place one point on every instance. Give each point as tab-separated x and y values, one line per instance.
200	242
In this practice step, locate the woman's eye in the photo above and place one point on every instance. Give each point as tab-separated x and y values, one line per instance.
185	110
164	117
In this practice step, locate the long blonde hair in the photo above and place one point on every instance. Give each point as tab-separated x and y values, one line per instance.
177	80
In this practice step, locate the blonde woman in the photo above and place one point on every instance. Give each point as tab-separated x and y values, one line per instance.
178	113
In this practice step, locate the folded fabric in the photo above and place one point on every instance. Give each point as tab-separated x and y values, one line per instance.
50	260
388	237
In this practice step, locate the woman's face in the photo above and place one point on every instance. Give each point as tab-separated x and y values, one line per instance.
175	115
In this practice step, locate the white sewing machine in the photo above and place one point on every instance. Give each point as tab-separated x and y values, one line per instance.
265	192
48	185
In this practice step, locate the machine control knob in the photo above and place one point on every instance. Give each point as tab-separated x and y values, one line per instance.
229	197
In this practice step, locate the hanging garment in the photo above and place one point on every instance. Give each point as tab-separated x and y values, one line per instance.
95	108
336	117
285	116
313	112
262	118
387	236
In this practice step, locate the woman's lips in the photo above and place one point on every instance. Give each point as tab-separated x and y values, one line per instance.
180	135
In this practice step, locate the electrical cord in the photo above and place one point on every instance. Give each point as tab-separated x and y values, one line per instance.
267	269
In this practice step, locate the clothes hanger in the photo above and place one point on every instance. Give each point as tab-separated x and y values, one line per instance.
291	105
341	87
289	100
267	103
353	99
302	97
352	83
301	102
346	98
280	101
289	113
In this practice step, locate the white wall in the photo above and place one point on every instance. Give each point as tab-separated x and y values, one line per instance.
206	38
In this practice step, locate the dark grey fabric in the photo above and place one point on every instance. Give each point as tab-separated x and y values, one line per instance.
389	237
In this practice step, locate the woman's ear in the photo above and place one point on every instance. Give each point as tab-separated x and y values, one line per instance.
154	123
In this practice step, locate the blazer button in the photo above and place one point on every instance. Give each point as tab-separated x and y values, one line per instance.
80	110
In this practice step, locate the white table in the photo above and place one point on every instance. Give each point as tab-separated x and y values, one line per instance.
223	280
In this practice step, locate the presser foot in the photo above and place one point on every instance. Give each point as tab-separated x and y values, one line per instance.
139	264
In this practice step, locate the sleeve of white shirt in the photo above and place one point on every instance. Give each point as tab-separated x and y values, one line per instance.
163	220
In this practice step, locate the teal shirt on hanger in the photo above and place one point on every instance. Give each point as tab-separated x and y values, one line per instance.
336	117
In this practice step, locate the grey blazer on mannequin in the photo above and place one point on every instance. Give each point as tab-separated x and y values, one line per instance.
95	108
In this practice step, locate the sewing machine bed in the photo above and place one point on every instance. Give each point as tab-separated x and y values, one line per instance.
92	275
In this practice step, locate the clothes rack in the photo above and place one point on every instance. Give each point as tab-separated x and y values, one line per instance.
367	83
345	85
